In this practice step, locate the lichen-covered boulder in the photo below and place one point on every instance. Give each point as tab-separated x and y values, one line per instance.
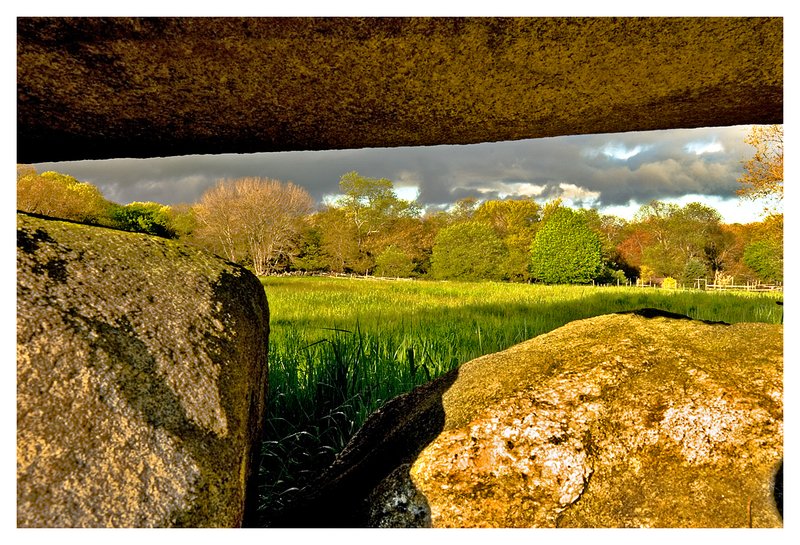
141	378
615	421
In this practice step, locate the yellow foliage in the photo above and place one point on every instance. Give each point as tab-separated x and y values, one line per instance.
646	273
58	195
763	175
669	283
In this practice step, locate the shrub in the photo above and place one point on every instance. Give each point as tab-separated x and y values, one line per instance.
144	217
669	283
60	196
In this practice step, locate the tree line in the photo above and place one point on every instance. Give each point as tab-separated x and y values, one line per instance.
274	227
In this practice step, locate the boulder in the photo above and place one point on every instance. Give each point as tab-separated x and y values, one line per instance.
141	380
643	419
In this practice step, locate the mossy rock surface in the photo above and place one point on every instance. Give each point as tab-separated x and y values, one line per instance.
95	88
141	376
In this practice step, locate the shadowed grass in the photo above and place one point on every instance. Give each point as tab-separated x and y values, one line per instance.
340	348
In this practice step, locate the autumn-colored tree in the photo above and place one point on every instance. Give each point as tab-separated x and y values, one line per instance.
763	176
218	228
60	196
646	274
634	239
253	220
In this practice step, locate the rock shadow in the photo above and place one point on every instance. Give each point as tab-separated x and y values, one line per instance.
777	490
388	443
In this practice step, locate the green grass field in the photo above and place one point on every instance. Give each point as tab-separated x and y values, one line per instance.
340	348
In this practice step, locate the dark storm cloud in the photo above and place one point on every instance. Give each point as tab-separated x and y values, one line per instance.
611	169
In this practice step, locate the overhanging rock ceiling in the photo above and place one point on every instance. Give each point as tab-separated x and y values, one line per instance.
91	88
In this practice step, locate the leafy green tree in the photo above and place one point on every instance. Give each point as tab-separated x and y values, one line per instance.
677	235
694	269
612	232
467	251
659	255
766	259
769	231
463	210
309	255
410	235
182	220
394	262
618	277
566	250
509	216
338	241
425	238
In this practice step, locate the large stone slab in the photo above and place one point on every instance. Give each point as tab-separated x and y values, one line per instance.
625	420
141	377
94	88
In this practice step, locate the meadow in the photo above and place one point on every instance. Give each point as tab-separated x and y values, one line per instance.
341	347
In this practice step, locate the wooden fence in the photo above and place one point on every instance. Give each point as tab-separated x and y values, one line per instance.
744	287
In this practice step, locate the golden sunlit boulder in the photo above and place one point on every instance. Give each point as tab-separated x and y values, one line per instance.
616	421
141	378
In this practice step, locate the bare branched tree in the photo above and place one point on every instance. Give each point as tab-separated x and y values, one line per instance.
253	219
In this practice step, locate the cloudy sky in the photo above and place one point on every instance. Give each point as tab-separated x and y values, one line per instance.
615	173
